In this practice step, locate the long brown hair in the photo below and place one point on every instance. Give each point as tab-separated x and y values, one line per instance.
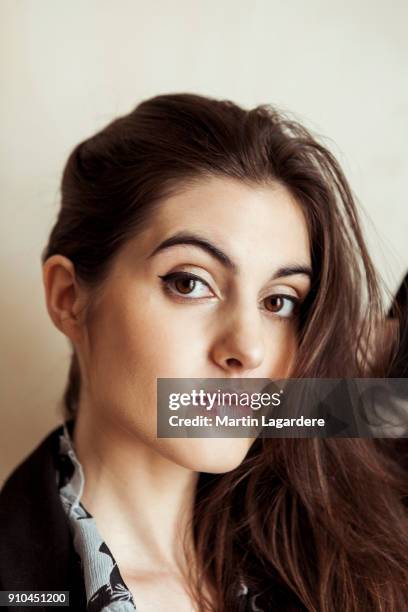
308	524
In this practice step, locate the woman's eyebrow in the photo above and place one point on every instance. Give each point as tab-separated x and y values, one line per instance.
198	241
183	238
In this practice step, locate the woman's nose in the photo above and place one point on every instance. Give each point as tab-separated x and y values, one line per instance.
239	346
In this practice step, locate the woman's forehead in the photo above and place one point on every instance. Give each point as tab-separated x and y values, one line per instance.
239	218
228	221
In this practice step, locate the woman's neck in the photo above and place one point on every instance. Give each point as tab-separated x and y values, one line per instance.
142	502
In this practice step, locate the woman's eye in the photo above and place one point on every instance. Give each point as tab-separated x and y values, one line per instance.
284	306
188	285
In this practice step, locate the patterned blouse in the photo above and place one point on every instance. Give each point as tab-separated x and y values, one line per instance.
105	588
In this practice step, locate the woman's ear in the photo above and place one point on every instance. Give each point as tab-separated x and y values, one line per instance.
65	300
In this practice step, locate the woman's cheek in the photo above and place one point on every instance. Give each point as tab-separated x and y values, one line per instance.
165	345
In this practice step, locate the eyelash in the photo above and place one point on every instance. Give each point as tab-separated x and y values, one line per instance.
168	279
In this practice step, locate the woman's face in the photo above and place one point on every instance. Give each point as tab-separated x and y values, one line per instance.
151	321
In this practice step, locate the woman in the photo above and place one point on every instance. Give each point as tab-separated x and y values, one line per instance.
197	239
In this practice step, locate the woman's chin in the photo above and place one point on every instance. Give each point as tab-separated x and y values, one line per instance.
212	455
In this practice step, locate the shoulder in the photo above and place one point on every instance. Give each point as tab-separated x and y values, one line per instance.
40	462
36	551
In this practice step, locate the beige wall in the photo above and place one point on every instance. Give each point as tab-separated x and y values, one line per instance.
69	66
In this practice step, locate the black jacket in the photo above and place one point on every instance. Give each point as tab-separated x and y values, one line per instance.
36	548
